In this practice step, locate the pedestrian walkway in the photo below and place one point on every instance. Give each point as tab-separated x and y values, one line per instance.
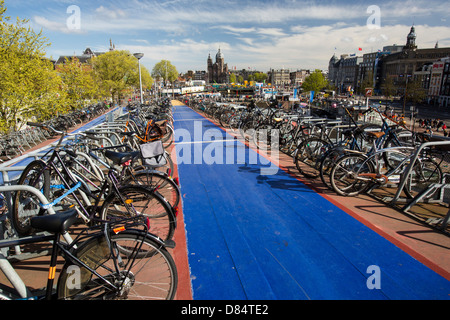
253	234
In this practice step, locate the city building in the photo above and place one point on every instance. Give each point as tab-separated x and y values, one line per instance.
410	64
217	71
439	88
280	78
298	77
343	73
398	64
84	58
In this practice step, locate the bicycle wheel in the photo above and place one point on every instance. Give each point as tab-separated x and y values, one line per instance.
26	204
155	179
398	138
139	266
266	136
308	156
167	139
328	162
247	129
347	178
136	200
424	173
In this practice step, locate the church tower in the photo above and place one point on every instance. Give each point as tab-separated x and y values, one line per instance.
217	71
210	69
411	40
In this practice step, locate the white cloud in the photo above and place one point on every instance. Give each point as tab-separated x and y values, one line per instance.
260	35
110	13
54	25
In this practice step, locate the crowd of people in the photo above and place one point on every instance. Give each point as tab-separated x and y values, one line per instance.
433	124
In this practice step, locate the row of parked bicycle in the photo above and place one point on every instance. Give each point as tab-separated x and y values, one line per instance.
112	188
353	155
16	143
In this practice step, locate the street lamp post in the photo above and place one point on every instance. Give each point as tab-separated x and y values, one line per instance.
139	56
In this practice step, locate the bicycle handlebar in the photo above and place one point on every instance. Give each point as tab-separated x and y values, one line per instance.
37	124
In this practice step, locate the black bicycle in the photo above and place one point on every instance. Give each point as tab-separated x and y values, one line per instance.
115	261
94	203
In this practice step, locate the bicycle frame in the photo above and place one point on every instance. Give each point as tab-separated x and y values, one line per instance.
87	213
379	177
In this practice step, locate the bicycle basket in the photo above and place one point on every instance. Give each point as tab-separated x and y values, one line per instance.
153	153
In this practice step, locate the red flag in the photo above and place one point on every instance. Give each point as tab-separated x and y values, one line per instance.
360	49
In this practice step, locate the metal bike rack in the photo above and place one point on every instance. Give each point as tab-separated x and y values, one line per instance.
5	266
432	188
411	164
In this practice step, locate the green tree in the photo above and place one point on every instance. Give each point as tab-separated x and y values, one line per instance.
388	87
117	72
166	71
315	82
415	92
367	82
78	82
29	87
232	78
260	76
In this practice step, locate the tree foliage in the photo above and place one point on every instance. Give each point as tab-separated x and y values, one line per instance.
165	70
117	72
78	82
315	82
28	84
31	88
260	76
415	92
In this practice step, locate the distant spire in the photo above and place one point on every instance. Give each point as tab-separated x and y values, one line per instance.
436	45
411	39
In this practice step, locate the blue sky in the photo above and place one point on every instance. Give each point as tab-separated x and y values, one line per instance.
257	35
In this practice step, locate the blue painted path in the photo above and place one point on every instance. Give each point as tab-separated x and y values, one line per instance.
256	236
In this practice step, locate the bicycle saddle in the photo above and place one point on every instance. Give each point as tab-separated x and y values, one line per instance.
54	223
377	134
120	157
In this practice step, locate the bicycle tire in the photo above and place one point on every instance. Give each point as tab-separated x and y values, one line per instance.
327	163
266	137
345	175
155	179
424	173
167	139
26	204
153	275
139	200
308	155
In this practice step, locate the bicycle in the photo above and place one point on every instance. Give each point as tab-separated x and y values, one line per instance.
143	175
109	199
151	130
356	172
114	261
